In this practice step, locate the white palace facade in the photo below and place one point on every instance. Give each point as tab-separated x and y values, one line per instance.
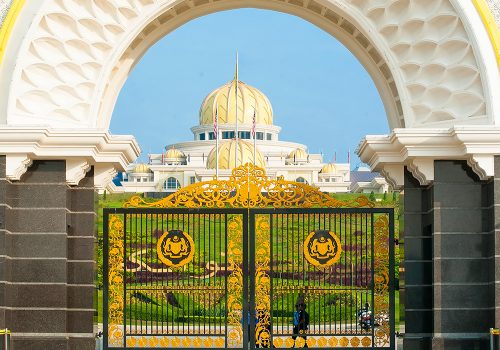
193	161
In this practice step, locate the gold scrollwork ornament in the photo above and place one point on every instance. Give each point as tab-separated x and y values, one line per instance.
249	187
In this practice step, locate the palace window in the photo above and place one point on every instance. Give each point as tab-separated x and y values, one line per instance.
172	183
259	136
301	180
202	136
192	180
244	135
269	137
228	135
211	136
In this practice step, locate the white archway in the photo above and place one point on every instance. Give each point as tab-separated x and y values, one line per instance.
433	65
434	62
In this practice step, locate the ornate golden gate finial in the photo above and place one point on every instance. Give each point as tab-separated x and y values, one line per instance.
249	187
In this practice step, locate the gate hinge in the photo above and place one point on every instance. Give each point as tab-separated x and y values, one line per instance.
396	241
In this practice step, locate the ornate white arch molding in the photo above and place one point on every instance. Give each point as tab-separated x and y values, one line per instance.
419	148
73	49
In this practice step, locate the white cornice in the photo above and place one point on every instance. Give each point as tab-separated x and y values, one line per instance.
419	148
80	148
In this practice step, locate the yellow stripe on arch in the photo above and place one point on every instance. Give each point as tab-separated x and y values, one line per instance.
490	24
8	25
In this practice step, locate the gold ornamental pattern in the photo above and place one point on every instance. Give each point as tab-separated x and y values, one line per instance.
322	248
262	282
322	342
115	280
381	281
175	342
175	248
249	187
235	282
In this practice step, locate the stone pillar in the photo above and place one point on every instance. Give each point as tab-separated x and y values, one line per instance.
417	264
47	266
449	259
463	258
81	229
4	272
495	274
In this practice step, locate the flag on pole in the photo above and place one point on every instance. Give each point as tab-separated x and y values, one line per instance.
216	135
253	136
349	156
253	123
335	156
216	121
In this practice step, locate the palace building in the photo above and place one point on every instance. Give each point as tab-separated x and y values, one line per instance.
242	109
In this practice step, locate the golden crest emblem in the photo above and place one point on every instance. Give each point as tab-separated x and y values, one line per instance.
175	248
322	248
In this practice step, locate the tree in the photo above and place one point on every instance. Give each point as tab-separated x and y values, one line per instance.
385	195
372	196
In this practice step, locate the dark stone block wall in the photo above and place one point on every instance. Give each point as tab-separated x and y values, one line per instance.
47	265
449	260
418	264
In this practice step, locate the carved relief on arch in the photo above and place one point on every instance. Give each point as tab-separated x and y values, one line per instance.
435	56
420	46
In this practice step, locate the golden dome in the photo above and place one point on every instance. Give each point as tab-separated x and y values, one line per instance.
223	100
174	153
141	168
227	155
298	154
329	168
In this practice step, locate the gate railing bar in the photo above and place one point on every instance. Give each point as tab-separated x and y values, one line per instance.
372	282
125	217
271	278
105	276
245	270
225	280
392	287
251	288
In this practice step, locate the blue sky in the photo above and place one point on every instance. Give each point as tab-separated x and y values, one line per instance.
321	95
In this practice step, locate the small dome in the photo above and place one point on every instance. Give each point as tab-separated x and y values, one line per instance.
298	154
228	158
174	153
141	168
223	98
329	168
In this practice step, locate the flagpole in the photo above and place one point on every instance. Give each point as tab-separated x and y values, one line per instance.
236	95
254	137
216	134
